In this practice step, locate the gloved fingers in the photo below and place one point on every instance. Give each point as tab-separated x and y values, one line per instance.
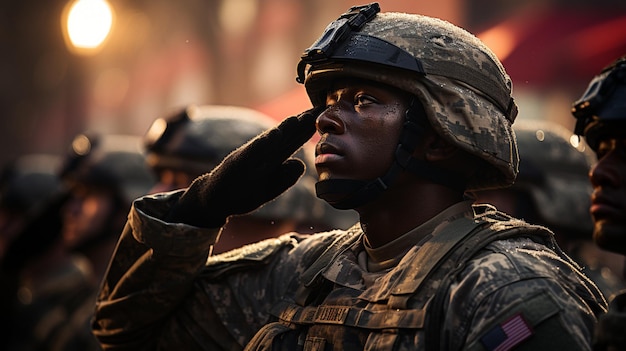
290	171
282	179
297	130
285	177
310	116
303	128
275	145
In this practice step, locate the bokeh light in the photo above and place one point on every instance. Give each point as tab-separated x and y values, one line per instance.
89	23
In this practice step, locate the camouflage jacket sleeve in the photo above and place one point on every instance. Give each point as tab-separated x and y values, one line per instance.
153	267
162	291
524	296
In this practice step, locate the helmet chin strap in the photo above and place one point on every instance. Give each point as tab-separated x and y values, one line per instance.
347	194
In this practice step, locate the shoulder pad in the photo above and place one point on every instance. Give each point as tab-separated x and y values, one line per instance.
249	255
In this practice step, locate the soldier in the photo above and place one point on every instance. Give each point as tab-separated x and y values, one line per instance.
601	118
192	141
32	256
552	189
103	174
412	111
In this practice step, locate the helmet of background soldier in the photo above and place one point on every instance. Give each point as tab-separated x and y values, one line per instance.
30	193
461	84
29	181
195	139
601	107
554	173
108	161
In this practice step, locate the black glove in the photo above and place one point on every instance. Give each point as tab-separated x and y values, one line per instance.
250	176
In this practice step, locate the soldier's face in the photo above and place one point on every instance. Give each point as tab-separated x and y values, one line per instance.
85	214
608	201
171	179
359	130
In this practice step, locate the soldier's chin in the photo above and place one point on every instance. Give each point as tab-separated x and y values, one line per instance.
610	236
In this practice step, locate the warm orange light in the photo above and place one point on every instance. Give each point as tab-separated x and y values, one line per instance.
88	23
500	39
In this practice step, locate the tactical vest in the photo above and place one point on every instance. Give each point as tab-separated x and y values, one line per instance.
324	316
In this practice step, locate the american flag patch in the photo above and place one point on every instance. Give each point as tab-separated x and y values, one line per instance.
508	334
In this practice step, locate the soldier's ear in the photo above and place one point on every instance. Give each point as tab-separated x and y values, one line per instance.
438	149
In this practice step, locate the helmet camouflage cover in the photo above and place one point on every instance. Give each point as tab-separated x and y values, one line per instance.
462	85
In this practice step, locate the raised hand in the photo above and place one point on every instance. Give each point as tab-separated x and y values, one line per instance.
250	176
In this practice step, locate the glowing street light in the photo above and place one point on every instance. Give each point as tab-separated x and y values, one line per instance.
87	24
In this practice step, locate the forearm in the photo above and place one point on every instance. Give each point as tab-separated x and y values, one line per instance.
152	270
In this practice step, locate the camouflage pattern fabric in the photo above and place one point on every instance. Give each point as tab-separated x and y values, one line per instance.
163	290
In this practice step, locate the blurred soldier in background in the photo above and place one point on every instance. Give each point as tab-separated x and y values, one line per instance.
191	142
33	258
102	174
25	186
601	118
552	189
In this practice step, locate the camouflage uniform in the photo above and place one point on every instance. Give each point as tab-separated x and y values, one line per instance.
468	278
221	303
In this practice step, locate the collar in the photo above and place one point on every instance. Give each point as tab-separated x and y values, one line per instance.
391	253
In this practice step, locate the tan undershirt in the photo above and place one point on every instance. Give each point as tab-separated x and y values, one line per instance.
390	254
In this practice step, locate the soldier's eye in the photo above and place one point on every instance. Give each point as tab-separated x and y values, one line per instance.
364	99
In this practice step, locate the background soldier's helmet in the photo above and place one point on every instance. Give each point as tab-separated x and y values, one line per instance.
112	162
31	194
555	174
197	138
29	181
459	81
602	107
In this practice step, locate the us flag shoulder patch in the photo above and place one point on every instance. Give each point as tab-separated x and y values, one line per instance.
508	334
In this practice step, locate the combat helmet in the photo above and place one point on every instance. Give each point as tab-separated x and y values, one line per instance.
196	138
461	85
601	107
28	181
30	190
554	173
108	161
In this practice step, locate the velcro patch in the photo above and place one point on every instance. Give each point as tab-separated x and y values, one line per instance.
508	334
